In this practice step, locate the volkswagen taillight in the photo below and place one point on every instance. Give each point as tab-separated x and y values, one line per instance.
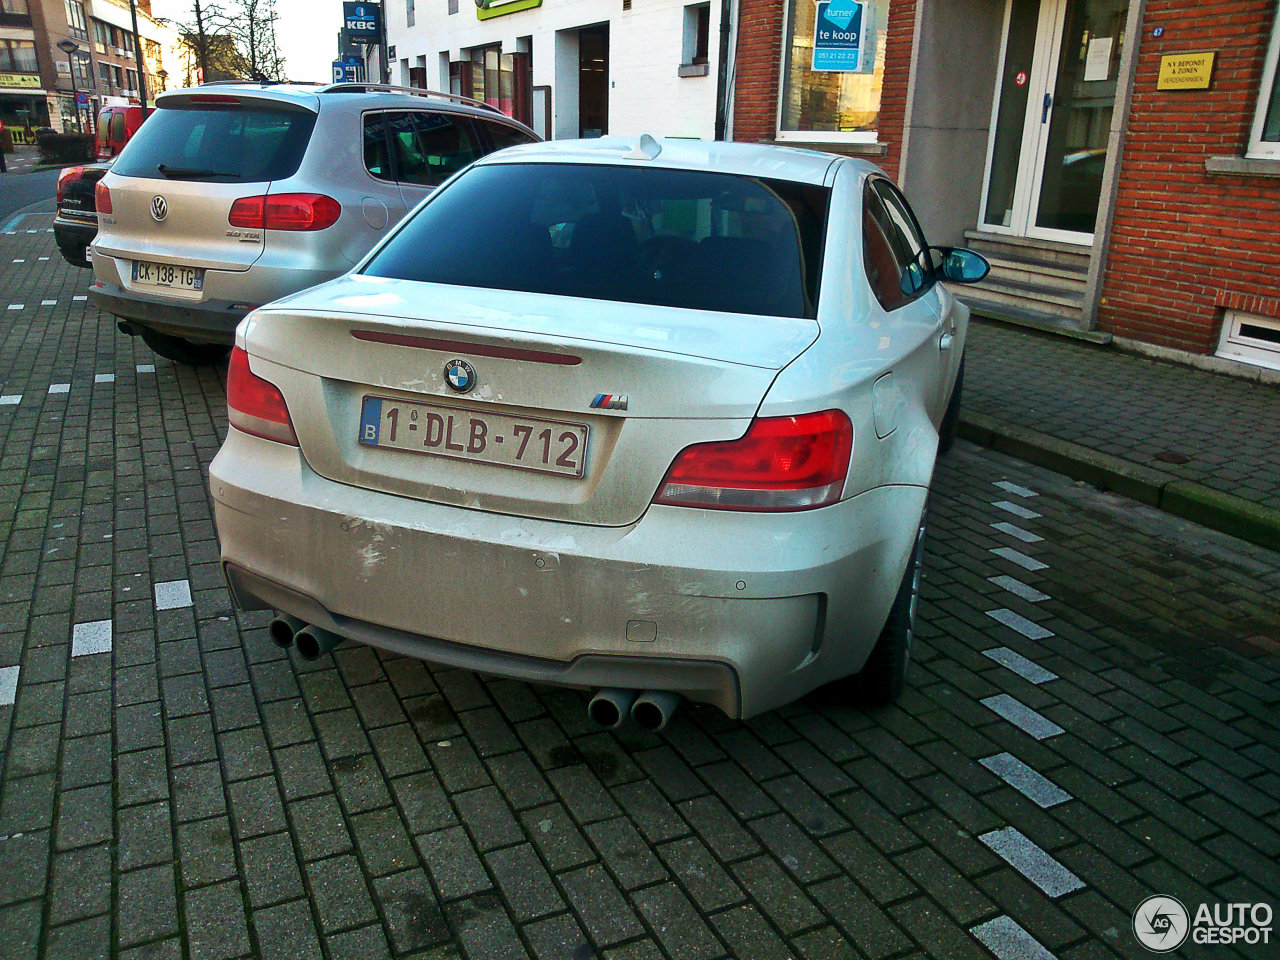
255	405
781	463
286	211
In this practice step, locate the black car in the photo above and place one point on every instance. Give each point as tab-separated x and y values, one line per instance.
76	223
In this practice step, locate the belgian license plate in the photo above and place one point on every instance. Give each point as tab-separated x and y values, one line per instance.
527	443
168	275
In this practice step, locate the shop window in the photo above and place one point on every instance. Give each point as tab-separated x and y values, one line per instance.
834	70
502	80
76	24
1265	141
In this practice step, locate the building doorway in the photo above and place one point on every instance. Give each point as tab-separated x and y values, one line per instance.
593	81
1048	147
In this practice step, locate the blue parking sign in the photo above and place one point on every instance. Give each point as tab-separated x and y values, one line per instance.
837	35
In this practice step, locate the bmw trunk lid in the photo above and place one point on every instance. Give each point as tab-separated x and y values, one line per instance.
517	403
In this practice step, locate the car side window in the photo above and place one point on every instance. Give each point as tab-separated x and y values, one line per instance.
117	127
500	135
894	249
377	158
431	147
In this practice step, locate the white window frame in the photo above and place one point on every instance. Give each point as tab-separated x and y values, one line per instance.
1259	148
810	136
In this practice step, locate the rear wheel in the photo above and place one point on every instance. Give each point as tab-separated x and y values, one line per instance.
181	350
881	680
951	418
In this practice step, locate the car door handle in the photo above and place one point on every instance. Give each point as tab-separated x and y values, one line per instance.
946	340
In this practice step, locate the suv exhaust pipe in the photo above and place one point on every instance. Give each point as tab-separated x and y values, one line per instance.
313	642
654	708
283	629
610	707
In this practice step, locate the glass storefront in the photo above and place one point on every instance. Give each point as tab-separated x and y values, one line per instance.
502	80
834	72
23	115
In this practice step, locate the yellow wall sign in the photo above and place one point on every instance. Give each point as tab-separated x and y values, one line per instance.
26	81
1186	71
488	9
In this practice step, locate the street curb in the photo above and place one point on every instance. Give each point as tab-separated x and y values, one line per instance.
1220	511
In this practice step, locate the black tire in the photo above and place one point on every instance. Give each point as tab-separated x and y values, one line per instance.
951	418
181	350
880	681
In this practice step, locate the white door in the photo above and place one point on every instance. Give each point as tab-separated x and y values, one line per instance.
1052	119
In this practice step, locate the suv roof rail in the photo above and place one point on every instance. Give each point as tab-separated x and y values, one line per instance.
413	91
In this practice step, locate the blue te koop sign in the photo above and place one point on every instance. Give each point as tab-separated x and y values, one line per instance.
362	19
837	35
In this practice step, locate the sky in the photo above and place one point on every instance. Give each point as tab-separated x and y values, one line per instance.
306	30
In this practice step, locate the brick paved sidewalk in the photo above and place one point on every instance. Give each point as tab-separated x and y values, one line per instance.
1185	423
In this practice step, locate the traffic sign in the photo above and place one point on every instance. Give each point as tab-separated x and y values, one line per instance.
82	98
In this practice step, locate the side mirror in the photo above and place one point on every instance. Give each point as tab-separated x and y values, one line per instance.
962	266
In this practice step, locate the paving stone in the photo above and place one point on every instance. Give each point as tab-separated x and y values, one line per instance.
454	865
23	862
600	906
484	930
144	835
557	837
861	920
270	872
384	844
782	901
697	871
319	826
286	932
81	940
340	893
625	852
414	916
146	905
558	937
488	819
524	882
205	852
216	927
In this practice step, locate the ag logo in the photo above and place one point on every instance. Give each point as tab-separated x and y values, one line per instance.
1161	924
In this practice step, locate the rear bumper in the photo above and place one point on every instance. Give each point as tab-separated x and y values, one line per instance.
73	240
212	321
744	611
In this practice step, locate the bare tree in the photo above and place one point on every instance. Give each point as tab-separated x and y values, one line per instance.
232	41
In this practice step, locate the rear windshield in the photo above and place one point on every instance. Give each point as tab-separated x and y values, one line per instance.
223	144
640	234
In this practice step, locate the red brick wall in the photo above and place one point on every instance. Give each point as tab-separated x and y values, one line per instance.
1185	243
755	107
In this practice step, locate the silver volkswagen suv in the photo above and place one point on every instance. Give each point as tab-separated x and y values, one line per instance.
232	195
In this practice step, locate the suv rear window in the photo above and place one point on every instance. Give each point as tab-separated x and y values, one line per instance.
222	144
692	239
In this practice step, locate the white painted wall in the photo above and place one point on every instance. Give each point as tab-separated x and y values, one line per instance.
645	44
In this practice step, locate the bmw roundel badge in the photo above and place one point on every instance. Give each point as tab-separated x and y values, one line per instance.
460	375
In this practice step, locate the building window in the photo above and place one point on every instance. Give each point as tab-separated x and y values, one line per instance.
76	24
833	70
18	56
104	74
697	33
14	6
1265	140
101	36
409	16
126	41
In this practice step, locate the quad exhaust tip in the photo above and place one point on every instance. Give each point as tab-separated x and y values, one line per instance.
314	642
283	629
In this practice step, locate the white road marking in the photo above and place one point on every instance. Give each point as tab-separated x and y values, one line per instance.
1019	589
44	258
1021	559
1026	536
91	638
173	594
16	306
1023	717
10	400
1008	941
104	378
59	388
8	685
1028	670
48	303
1040	790
80	299
1033	863
19	261
146	368
1015	488
1016	621
1008	506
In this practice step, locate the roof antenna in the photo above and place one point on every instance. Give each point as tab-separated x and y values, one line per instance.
646	148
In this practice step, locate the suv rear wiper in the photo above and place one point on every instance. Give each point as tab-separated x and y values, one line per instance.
178	173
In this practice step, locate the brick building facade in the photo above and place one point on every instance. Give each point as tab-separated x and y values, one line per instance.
1035	130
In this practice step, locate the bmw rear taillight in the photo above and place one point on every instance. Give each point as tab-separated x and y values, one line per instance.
102	198
68	175
286	211
781	463
255	405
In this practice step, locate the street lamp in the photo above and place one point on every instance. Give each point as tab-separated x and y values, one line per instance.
69	47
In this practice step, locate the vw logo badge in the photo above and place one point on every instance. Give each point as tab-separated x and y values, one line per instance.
460	375
159	209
